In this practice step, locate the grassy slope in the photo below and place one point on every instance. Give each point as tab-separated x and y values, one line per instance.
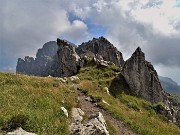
39	100
136	113
36	99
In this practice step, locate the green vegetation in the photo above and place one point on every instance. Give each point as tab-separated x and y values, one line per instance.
134	112
112	130
34	103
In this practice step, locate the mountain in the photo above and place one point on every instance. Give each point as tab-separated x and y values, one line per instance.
35	104
41	65
169	85
65	59
100	68
142	78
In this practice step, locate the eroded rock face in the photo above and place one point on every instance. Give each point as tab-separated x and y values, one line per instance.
101	49
143	81
62	58
41	65
142	78
66	61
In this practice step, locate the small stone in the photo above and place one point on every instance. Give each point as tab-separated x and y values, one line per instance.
105	102
62	80
74	78
88	99
65	111
106	90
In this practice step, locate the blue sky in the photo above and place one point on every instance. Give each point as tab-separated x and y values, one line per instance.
178	3
154	25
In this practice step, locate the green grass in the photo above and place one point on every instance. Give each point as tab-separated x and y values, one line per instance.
34	103
112	129
138	114
38	100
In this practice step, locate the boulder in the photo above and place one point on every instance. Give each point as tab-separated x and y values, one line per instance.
20	131
77	114
95	125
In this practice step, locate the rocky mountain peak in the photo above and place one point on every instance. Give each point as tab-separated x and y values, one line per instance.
138	49
142	78
101	47
63	58
48	50
66	61
40	66
138	55
62	42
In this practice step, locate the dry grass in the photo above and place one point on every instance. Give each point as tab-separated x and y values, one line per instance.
134	112
37	98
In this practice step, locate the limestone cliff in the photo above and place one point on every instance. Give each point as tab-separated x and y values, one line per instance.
142	78
63	58
41	65
101	48
143	81
66	61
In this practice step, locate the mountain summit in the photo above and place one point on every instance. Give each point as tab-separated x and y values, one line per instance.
142	78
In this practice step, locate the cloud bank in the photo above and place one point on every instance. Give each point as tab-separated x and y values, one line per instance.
154	25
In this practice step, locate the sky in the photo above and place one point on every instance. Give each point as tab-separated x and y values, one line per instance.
154	25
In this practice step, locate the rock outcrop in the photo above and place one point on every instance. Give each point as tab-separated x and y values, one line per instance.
66	61
95	125
20	131
142	78
101	49
41	65
62	58
143	81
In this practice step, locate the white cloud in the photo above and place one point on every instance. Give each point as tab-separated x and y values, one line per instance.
159	16
77	31
152	24
26	25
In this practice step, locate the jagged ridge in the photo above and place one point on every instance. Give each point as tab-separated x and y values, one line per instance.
67	60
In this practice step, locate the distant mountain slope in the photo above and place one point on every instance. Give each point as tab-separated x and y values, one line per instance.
169	85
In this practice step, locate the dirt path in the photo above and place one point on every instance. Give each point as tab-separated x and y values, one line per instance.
89	108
